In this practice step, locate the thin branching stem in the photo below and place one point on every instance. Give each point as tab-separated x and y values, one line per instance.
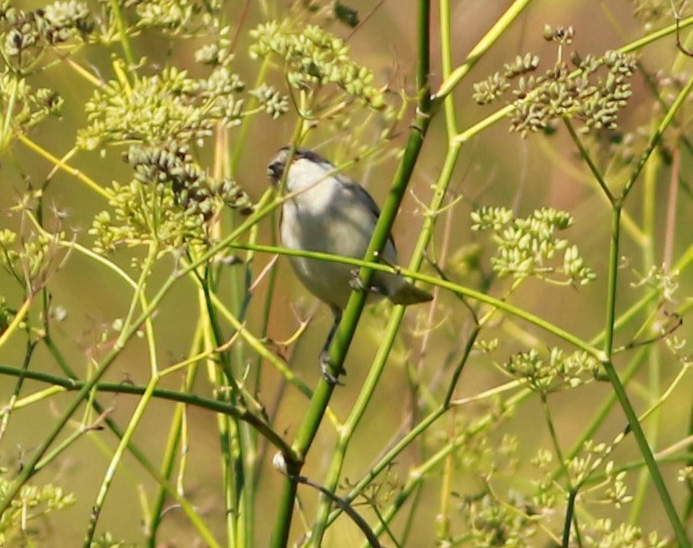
633	421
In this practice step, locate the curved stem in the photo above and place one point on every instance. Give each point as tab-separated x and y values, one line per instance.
187	398
444	284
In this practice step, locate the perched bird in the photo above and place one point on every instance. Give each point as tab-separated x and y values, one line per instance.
327	212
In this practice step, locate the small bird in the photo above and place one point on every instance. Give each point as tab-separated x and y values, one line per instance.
327	212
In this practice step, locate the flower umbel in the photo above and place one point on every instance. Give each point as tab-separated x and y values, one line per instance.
553	372
167	107
528	246
313	57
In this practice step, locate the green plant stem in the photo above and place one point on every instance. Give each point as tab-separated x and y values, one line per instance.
569	513
245	442
7	121
588	160
456	76
627	407
264	325
131	326
72	383
128	330
604	411
16	322
347	326
654	36
688	506
247	437
7	410
263	352
116	459
54	453
124	38
172	444
570	516
346	432
230	444
240	140
446	63
649	201
657	136
419	473
420	428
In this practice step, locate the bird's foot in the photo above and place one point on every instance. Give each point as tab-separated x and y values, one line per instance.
326	370
356	284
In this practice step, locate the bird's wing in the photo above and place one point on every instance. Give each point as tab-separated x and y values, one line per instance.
362	195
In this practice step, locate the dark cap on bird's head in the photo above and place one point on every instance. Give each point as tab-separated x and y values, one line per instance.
276	167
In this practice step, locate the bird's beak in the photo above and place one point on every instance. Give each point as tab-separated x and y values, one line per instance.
275	171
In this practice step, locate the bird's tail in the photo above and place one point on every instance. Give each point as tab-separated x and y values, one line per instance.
407	294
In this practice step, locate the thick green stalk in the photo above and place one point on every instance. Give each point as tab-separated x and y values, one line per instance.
232	448
235	441
347	431
347	326
446	64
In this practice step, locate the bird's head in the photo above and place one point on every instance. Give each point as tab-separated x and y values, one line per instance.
306	167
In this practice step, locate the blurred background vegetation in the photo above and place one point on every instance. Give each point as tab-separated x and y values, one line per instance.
496	168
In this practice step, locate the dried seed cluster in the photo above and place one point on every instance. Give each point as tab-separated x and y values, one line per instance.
591	90
169	201
26	35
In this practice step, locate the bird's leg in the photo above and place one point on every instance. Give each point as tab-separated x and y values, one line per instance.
324	354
